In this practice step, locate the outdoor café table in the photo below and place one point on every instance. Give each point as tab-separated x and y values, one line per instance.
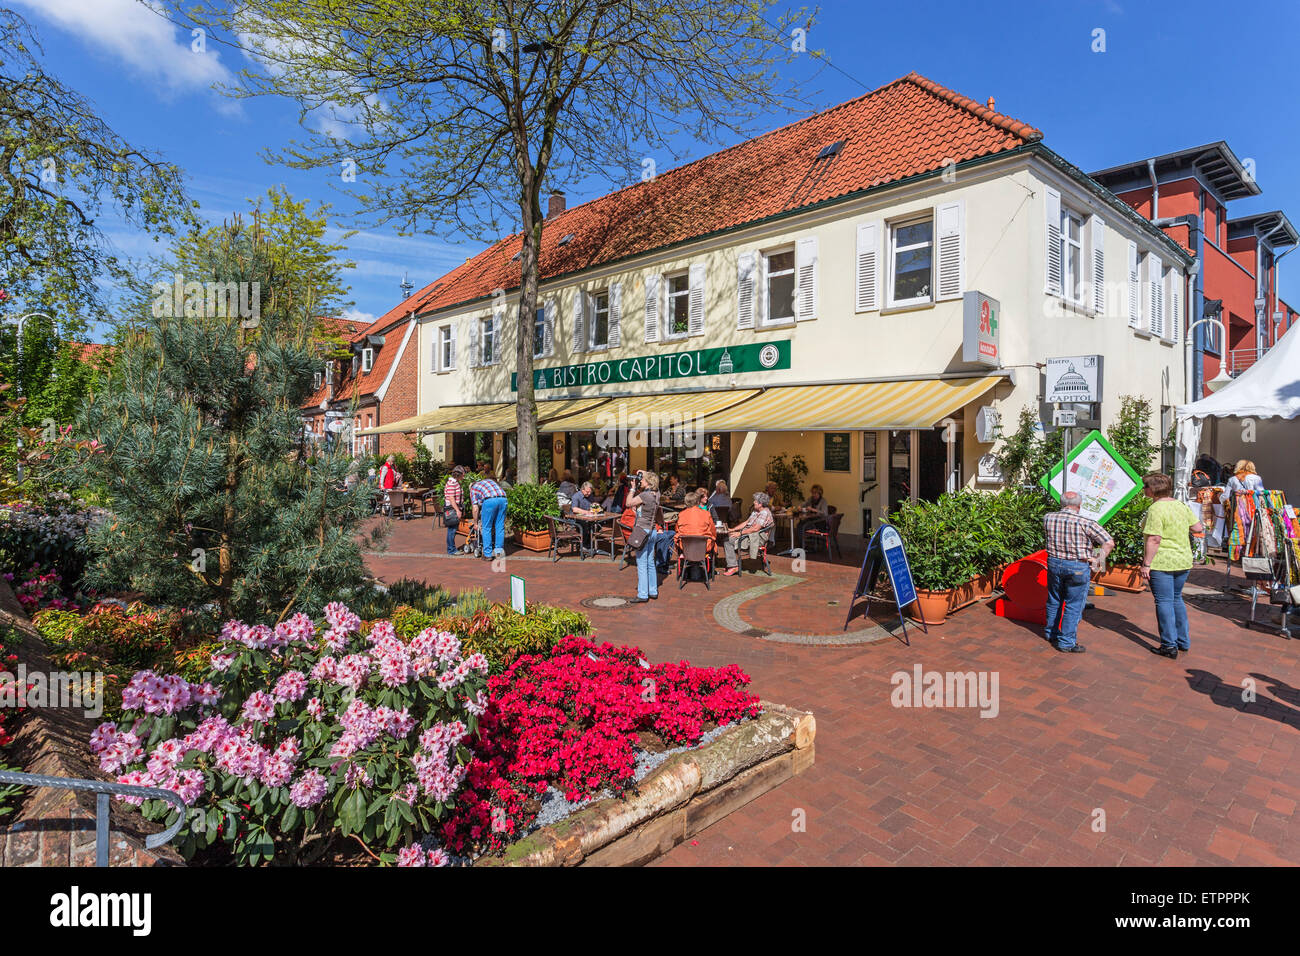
594	521
793	515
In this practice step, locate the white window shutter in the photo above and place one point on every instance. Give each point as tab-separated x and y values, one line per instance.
652	284
615	314
805	272
1155	277
548	328
1134	299
1098	265
950	230
498	324
579	321
434	356
695	312
760	285
1054	265
1175	322
475	343
452	333
867	280
747	292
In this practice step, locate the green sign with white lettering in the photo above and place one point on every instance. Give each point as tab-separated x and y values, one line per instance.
730	360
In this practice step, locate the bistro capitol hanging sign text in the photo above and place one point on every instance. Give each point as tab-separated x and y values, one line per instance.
732	360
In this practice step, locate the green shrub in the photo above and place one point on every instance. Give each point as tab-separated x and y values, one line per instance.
1126	529
497	631
529	505
372	604
788	476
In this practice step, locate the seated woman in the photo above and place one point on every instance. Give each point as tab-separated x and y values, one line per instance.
695	520
814	512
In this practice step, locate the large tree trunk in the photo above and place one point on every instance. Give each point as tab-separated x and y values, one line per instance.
526	409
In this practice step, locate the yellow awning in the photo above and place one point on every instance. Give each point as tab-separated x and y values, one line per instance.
879	405
483	418
659	411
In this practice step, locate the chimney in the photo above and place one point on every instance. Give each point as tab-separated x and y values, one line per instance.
990	102
555	205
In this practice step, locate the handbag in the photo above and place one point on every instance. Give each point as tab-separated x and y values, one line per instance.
637	538
1255	567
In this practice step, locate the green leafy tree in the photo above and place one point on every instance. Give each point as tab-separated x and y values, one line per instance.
61	168
458	117
201	458
1131	433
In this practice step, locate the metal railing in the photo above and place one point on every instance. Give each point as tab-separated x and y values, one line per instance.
103	790
1237	361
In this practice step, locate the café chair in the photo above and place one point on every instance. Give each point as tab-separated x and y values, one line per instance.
564	531
693	551
828	533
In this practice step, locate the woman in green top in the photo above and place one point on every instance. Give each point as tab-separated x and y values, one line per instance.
1168	560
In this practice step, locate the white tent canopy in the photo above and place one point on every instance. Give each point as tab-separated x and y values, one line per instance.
1265	402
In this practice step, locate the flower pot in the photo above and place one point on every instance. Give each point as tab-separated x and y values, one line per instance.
534	540
963	595
930	607
1122	577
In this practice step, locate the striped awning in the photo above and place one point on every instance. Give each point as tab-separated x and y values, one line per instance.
484	418
654	411
868	405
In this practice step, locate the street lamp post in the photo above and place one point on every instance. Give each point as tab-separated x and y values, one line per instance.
1219	380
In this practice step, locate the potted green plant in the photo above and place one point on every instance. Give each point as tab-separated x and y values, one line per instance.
528	506
941	551
1124	567
788	476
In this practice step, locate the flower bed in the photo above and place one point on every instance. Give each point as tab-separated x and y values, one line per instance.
51	535
575	720
304	732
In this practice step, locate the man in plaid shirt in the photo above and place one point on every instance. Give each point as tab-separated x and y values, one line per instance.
1070	541
489	504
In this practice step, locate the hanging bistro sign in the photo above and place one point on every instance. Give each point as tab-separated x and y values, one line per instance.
731	360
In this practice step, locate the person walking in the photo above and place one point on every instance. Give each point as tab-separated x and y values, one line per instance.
1167	559
646	503
1070	562
452	504
489	503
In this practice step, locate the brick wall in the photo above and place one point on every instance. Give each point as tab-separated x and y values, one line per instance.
402	398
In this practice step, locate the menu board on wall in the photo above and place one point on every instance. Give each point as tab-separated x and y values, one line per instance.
836	456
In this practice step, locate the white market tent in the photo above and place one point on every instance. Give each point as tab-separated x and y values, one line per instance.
1256	416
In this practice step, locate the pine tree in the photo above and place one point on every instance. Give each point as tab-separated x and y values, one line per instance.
214	502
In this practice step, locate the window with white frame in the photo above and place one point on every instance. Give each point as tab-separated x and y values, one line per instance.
446	348
598	334
911	262
1072	254
779	271
679	305
367	359
317	379
487	340
539	331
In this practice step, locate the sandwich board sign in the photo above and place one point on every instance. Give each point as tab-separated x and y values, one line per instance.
1099	474
886	552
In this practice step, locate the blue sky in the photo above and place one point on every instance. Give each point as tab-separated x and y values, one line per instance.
1172	75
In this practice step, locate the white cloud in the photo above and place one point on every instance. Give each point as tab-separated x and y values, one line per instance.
357	315
138	36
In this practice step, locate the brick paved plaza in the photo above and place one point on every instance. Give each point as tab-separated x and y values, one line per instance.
1185	771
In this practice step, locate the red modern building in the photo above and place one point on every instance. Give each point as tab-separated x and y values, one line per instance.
1187	194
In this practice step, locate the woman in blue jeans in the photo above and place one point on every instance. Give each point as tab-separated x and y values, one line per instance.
646	503
1168	560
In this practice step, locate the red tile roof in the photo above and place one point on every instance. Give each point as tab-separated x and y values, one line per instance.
363	383
92	351
907	127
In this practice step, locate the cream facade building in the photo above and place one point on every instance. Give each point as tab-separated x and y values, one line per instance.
837	329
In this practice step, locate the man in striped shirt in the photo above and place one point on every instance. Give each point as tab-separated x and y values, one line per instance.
1070	563
489	504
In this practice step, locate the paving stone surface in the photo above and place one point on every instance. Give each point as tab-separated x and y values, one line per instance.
1113	757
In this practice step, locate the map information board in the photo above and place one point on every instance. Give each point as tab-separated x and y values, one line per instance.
1097	472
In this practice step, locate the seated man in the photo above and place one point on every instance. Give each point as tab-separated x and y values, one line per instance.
581	505
754	532
695	520
773	497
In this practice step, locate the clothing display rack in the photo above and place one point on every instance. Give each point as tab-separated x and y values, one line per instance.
1263	537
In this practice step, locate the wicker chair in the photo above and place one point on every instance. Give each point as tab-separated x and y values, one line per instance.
563	531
